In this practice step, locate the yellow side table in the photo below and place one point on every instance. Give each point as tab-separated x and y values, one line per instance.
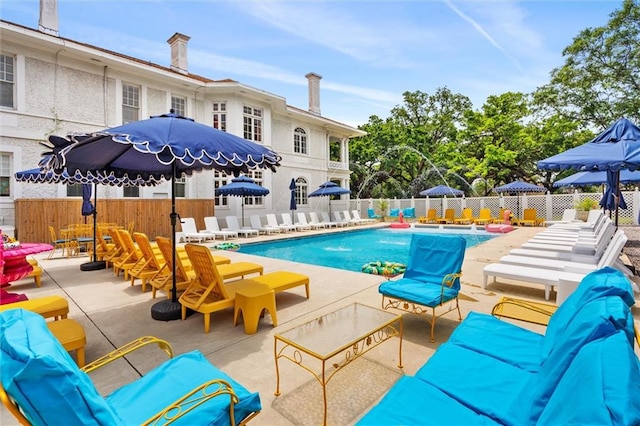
252	299
71	336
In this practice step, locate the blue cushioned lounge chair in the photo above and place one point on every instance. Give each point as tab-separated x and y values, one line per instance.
372	214
432	278
41	384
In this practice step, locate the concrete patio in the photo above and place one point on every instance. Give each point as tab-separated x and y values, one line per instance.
113	313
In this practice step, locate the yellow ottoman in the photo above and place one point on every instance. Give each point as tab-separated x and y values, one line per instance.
252	299
49	307
71	336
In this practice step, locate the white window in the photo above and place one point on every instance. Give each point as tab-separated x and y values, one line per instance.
252	118
220	179
299	141
74	190
257	176
181	184
131	192
220	116
5	174
302	190
179	105
7	81
130	103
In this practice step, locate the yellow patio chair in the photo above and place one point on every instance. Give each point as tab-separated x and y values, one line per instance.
68	246
207	292
500	218
163	280
467	217
484	217
104	248
153	261
449	216
130	258
529	218
118	251
429	218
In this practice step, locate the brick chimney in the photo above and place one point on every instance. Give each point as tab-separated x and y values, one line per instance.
314	92
48	22
178	43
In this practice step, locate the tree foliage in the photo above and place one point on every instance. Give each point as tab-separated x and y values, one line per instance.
600	79
438	138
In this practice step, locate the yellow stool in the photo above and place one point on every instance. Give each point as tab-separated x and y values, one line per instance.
36	273
55	307
71	336
252	299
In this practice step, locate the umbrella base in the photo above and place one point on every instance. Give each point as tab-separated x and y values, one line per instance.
93	266
166	311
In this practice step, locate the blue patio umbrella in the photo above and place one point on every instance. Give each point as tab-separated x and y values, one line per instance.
165	146
442	191
292	200
596	178
616	148
329	189
242	186
518	187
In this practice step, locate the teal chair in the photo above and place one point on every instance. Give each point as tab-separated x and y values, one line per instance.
409	213
432	278
372	214
394	212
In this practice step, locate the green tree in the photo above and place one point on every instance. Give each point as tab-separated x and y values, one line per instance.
600	79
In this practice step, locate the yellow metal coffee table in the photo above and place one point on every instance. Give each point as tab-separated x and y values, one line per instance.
335	340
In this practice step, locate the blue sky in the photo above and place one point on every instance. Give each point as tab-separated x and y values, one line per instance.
368	52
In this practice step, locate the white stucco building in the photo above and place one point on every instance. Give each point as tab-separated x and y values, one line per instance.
53	85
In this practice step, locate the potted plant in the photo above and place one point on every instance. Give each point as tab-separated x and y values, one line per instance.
383	205
583	206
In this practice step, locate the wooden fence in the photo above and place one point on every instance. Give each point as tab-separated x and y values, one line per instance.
150	216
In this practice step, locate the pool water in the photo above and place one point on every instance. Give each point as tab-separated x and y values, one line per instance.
352	249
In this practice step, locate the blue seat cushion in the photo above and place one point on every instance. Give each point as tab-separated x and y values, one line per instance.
43	379
601	283
394	212
143	398
409	212
413	401
598	318
482	383
502	340
424	293
431	257
609	393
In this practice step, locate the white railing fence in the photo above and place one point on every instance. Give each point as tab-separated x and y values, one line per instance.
548	206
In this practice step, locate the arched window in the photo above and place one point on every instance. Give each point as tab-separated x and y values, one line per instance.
299	141
301	192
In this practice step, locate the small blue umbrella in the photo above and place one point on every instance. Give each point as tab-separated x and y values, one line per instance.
165	146
518	187
329	189
242	186
612	198
292	201
442	191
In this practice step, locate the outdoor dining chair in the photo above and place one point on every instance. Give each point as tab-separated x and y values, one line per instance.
431	280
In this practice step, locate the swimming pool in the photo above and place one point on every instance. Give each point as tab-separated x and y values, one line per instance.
351	249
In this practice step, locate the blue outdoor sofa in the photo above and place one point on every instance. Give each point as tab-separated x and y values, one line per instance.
583	370
41	384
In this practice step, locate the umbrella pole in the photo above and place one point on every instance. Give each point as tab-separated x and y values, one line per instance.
95	265
169	310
